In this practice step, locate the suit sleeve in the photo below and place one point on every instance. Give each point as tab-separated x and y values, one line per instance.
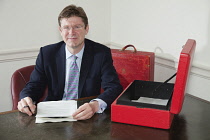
37	83
110	81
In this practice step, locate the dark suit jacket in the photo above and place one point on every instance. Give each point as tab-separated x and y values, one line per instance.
96	71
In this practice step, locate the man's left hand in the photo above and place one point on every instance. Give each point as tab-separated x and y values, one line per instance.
86	111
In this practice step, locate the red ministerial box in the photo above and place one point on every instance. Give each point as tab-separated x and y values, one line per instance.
134	64
155	116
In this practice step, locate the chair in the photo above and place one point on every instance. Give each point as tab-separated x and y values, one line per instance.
18	81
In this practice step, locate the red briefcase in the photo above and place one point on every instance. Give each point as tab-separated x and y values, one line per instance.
133	65
148	113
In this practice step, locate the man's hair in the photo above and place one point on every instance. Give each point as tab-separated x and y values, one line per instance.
71	11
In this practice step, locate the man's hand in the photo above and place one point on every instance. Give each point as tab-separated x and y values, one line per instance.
26	105
86	111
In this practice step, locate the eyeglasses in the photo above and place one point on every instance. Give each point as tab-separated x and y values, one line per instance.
75	28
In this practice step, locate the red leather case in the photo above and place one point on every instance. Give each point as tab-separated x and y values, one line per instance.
158	118
132	65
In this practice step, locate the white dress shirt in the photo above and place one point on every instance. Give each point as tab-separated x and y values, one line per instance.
69	61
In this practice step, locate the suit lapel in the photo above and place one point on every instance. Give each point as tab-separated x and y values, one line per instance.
87	60
61	69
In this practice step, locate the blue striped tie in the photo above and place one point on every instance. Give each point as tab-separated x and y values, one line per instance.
72	90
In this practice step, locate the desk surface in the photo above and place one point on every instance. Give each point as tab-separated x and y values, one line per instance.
191	124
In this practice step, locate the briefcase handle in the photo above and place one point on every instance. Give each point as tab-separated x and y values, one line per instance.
123	49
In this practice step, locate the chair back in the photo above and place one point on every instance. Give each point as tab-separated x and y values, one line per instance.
18	81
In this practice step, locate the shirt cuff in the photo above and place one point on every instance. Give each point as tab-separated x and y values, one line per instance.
102	105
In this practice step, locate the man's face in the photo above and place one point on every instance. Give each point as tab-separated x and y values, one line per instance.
73	32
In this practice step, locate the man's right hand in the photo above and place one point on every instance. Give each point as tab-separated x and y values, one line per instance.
26	105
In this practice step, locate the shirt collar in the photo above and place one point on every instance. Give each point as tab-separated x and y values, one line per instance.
79	55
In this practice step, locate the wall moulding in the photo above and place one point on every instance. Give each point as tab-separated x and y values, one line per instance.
18	55
26	54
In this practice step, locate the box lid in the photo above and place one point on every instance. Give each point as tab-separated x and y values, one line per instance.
183	70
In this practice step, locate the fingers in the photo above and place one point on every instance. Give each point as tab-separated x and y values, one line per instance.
26	105
83	112
86	111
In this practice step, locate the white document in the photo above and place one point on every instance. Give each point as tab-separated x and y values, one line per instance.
55	111
43	120
151	101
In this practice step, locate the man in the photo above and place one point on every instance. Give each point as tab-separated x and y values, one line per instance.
93	61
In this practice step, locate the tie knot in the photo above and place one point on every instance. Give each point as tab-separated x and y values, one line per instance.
74	58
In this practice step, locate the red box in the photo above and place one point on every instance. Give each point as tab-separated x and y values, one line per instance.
153	117
132	65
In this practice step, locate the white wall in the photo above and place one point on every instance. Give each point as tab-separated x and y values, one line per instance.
27	25
163	26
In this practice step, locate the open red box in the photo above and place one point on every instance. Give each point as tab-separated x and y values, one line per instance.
156	116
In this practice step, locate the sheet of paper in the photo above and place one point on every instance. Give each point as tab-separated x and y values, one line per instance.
43	120
151	101
55	111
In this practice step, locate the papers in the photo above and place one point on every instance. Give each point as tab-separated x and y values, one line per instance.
55	111
151	101
43	120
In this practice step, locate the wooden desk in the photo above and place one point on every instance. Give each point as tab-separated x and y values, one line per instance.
191	124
